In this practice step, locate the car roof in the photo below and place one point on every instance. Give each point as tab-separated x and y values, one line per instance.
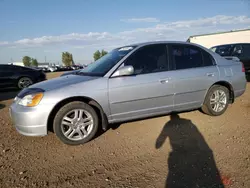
158	42
161	42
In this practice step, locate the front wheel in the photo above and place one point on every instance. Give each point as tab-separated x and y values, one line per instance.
24	82
216	101
75	123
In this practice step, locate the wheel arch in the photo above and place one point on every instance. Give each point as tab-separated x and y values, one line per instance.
25	76
228	86
94	104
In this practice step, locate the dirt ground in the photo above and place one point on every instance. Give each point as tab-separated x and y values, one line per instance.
185	151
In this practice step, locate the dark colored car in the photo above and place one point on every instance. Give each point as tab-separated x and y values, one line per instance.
20	77
240	50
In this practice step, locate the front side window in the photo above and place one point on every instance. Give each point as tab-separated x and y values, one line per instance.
105	63
185	57
149	59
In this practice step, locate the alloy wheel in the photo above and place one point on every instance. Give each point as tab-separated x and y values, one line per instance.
77	124
24	82
218	100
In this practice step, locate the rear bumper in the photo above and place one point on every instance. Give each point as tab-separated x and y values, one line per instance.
238	93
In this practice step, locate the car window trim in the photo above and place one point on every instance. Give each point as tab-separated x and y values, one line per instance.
203	59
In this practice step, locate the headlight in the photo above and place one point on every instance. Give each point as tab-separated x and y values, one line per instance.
31	99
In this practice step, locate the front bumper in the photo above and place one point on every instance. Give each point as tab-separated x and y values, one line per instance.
30	121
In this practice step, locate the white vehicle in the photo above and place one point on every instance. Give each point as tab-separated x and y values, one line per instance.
52	69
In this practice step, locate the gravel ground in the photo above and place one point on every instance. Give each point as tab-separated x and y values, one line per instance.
191	150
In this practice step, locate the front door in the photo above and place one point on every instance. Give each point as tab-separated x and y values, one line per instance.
148	92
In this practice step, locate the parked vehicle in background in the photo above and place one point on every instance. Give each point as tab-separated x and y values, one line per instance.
52	68
76	67
18	76
44	69
131	82
240	50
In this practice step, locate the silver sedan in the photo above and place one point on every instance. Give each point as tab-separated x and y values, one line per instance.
130	82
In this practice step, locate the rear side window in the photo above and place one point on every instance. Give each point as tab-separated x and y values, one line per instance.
185	57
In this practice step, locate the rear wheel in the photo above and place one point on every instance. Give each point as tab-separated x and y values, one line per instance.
75	123
216	101
24	82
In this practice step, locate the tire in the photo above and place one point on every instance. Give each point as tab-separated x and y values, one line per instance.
24	82
209	108
64	115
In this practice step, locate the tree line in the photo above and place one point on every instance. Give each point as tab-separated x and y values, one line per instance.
28	61
67	58
98	54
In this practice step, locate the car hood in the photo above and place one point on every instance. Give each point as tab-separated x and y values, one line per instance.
63	81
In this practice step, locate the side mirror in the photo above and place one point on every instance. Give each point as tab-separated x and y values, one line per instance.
124	71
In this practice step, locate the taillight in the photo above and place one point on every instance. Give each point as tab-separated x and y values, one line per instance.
243	67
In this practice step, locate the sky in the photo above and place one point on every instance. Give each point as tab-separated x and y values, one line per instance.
44	29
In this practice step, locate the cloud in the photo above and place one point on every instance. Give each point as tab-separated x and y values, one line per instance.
141	20
3	43
212	21
178	30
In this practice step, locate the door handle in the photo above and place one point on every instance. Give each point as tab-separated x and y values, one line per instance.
210	74
164	81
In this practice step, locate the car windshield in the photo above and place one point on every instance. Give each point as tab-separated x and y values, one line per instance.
105	63
224	50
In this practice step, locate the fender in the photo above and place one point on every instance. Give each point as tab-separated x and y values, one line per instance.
104	119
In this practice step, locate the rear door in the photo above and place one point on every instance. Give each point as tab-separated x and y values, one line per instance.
149	91
193	72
